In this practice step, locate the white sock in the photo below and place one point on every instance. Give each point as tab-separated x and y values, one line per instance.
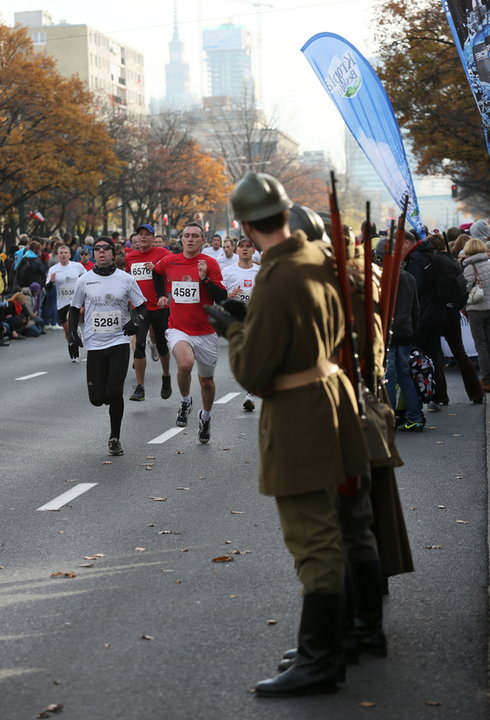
205	415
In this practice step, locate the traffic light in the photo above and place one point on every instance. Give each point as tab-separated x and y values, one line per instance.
454	191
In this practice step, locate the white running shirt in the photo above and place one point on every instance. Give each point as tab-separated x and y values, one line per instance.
65	281
224	261
105	298
243	278
211	252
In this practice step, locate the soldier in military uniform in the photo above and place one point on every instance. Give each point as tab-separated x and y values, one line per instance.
310	435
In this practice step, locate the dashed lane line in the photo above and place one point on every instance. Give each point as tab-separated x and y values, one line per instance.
165	436
226	398
32	375
71	494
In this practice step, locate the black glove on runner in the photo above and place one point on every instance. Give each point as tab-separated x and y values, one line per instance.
74	343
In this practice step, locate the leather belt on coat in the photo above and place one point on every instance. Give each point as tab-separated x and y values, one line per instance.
290	381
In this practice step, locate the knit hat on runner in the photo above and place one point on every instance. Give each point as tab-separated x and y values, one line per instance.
107	241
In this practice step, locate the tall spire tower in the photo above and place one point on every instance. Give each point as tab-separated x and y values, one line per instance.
177	71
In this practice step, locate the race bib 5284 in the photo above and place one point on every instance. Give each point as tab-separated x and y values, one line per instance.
106	321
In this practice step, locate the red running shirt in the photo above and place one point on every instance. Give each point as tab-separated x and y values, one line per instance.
135	266
189	294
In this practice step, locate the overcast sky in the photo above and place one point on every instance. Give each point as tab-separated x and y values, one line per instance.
290	89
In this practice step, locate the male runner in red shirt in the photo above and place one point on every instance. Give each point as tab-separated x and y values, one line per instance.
139	264
195	281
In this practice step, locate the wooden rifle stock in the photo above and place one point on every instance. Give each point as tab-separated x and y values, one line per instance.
386	280
397	259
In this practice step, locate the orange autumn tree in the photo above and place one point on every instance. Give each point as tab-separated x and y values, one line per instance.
49	138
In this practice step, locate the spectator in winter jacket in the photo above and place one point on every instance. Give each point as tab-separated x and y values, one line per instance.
404	328
418	262
480	230
445	267
31	268
477	270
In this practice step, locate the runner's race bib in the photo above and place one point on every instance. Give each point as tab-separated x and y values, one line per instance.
139	272
108	321
185	292
68	291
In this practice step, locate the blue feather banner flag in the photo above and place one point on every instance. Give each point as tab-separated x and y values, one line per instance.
361	99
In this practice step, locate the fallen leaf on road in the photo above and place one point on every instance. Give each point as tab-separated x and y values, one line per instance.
63	574
61	532
178	582
462	522
140	549
457	434
201	477
227	542
50	709
180	452
165	570
106	462
432	427
184	549
222	559
272	622
149	468
452	414
433	703
459	477
434	547
183	488
440	442
72	480
441	507
169	532
87	565
225	449
233	596
107	645
237	512
157	499
152	525
147	637
150	457
147	464
93	557
56	682
367	704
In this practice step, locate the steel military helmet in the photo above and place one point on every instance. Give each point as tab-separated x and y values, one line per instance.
304	218
257	196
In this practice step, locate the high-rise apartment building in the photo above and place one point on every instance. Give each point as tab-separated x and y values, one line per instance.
112	71
177	73
229	62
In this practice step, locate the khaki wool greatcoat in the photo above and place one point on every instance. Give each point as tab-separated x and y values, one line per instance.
310	437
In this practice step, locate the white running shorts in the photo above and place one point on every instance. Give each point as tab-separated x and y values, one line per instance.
205	348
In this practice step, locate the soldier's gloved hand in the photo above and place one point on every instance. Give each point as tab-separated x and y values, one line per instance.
131	327
219	318
237	308
74	343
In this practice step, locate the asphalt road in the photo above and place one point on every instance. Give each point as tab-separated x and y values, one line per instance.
154	628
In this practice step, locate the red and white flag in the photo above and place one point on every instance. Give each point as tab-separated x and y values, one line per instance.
36	215
234	224
165	219
206	227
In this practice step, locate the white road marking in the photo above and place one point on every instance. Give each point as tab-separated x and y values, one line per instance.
28	377
226	398
61	500
165	436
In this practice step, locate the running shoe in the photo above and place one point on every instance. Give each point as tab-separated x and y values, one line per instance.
154	352
249	405
204	430
115	447
433	406
75	360
183	414
166	390
411	427
138	394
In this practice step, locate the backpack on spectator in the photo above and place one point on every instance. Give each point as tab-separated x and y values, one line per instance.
449	281
422	372
26	273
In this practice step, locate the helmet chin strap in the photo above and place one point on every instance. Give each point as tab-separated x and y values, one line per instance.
104	271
